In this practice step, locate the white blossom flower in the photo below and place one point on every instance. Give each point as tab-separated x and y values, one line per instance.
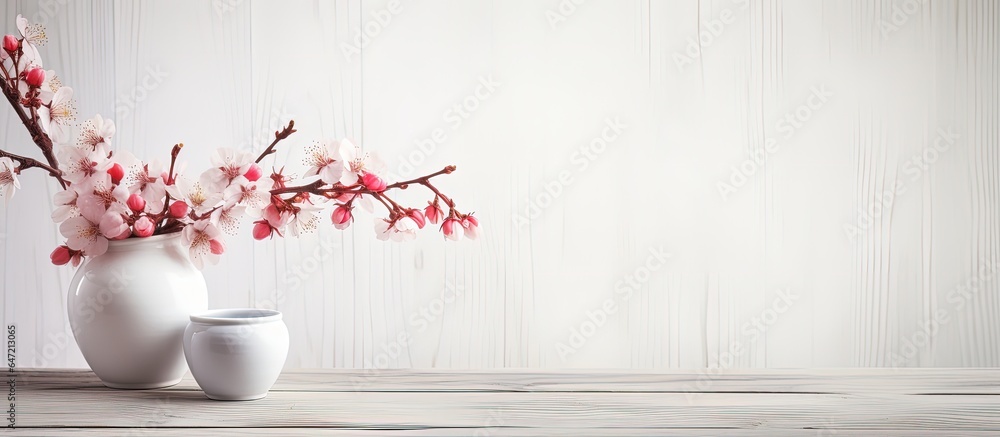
144	178
95	133
89	232
8	178
322	160
253	195
405	229
60	112
202	239
305	221
34	37
195	195
66	208
228	218
80	164
227	165
356	163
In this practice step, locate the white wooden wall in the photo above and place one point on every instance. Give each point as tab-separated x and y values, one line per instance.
817	119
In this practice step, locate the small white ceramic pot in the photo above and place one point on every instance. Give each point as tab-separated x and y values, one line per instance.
236	354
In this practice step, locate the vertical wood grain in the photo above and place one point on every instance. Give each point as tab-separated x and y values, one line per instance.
230	72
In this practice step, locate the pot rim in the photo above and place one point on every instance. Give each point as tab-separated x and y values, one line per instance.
236	316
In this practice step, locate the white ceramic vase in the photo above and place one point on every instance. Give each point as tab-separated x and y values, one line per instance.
128	309
236	354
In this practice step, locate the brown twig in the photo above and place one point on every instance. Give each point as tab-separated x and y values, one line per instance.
278	136
30	162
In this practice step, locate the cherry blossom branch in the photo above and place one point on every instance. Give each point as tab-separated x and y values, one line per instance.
171	179
29	162
278	136
425	181
40	138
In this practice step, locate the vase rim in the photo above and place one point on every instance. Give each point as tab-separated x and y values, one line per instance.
236	316
131	242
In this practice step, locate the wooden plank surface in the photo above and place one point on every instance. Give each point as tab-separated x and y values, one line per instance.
881	402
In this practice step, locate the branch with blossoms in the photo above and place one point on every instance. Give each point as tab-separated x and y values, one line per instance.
110	196
349	177
39	100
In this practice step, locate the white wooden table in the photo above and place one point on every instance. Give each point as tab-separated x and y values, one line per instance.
857	402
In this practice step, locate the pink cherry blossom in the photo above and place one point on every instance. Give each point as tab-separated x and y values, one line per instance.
262	230
34	36
217	246
471	225
8	178
305	219
418	217
144	227
198	238
147	179
452	229
228	218
254	173
357	163
113	226
276	218
194	194
98	197
66	208
433	213
322	160
60	112
404	229
96	132
341	217
83	233
227	165
373	182
80	164
255	196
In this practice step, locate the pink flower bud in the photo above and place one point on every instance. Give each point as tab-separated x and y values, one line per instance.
274	217
417	217
136	203
261	230
10	44
433	213
254	173
60	256
471	225
217	246
144	226
341	215
117	173
452	229
35	77
373	182
178	209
